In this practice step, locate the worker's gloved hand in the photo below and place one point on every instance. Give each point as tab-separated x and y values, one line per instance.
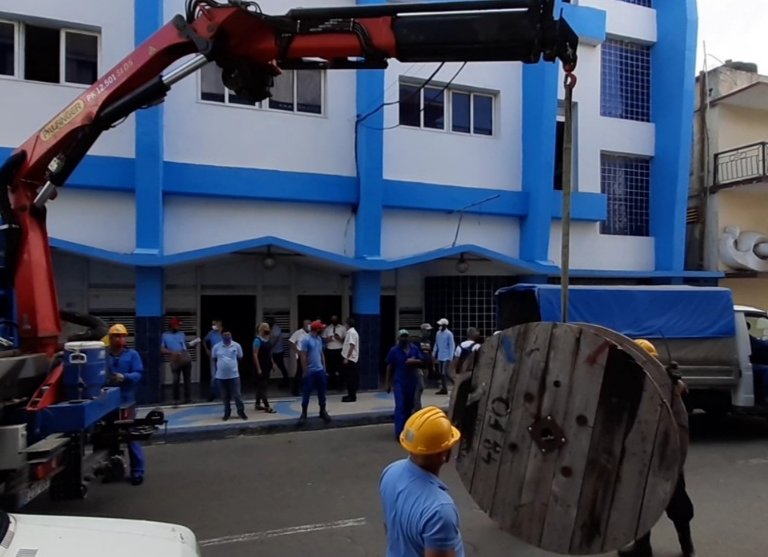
118	377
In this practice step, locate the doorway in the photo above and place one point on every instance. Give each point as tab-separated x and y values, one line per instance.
388	334
319	307
238	314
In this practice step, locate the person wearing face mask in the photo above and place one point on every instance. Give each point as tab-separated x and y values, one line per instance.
212	339
226	355
124	369
421	518
333	336
445	345
174	345
403	360
295	343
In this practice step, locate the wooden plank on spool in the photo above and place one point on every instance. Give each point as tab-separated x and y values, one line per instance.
468	397
556	382
494	426
578	424
525	398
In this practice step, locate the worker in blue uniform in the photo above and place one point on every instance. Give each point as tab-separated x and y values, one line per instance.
124	369
403	361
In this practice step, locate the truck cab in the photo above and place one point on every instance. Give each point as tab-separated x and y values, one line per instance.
699	328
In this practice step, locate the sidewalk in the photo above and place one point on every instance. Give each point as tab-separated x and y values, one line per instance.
203	420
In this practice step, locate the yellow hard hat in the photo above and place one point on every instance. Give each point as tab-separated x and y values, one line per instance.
647	346
429	431
118	329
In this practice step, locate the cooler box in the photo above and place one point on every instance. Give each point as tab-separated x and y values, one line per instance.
85	370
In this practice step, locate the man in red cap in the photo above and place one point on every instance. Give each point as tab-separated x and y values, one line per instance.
315	377
174	345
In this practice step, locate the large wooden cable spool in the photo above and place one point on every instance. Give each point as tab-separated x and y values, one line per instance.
569	441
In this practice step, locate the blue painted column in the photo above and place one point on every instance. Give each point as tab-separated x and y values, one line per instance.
368	216
539	142
150	290
673	60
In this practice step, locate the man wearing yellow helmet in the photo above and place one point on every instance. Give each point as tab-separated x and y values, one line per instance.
124	368
680	508
421	519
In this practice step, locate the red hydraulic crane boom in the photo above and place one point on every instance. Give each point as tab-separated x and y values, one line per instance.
251	48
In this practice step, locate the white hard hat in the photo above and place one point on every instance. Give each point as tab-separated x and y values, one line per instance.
443	321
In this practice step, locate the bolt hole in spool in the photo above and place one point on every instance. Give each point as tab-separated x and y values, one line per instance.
582	420
529	398
557	383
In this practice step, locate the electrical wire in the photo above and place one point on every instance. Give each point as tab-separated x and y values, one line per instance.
450	82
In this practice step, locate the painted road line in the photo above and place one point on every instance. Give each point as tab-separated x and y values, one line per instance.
251	536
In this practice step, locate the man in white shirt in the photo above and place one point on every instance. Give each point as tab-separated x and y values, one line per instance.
333	336
295	347
350	352
464	356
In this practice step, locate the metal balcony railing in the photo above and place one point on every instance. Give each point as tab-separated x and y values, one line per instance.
742	165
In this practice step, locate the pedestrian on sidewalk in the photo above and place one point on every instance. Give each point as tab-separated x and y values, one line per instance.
333	335
295	344
403	361
226	355
350	352
278	350
212	339
420	516
680	507
174	345
262	360
466	353
443	354
315	375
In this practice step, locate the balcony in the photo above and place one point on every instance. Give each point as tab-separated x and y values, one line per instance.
743	165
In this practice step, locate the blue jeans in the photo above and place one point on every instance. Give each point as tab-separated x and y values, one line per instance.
405	397
445	369
313	380
230	388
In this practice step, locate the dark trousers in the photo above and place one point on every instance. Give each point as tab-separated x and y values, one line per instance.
680	508
135	452
262	380
405	396
333	362
279	361
186	371
313	380
297	379
351	377
229	389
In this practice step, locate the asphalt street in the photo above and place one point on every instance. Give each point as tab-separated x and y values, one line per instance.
315	493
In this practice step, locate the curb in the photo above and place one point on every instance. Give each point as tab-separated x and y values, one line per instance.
232	429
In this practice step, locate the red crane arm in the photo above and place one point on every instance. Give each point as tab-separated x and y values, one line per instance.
250	47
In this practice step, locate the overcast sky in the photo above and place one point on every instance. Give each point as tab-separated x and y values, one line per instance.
734	29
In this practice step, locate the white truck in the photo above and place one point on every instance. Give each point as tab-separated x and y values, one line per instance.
67	536
700	328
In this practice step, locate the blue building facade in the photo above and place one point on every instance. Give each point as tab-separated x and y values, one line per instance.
397	219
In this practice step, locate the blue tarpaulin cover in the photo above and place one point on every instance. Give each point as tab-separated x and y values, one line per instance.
641	312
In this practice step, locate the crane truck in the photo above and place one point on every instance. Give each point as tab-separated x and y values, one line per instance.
55	405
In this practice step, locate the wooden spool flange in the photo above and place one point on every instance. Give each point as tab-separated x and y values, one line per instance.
569	441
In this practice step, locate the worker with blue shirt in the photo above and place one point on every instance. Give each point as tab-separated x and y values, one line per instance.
421	518
225	356
315	375
212	339
403	360
124	368
173	343
445	345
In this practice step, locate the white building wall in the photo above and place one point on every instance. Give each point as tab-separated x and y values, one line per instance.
444	157
591	250
100	219
240	136
194	223
28	105
407	233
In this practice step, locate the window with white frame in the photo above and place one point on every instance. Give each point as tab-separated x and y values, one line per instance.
294	91
48	53
455	109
